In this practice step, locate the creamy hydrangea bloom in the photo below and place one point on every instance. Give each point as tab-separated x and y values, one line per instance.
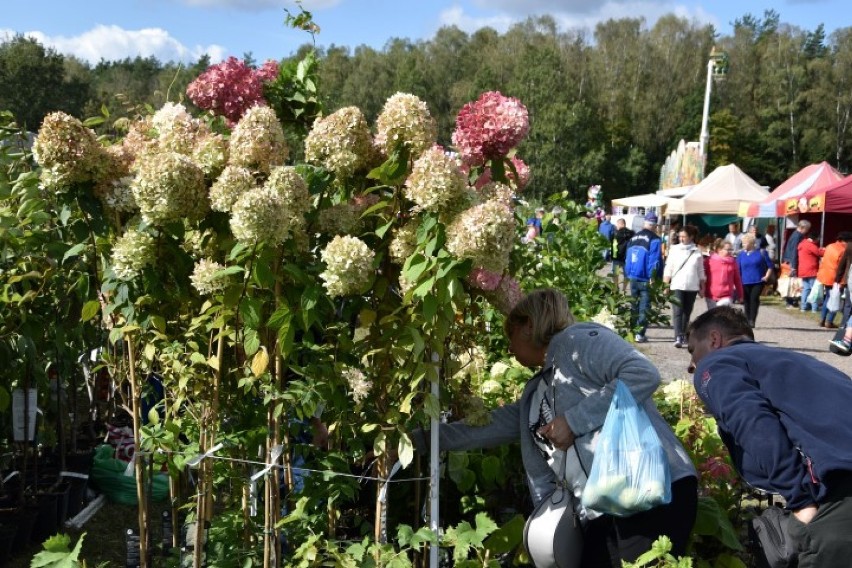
113	181
349	266
435	181
485	234
176	129
132	252
404	242
169	186
200	244
68	151
204	278
405	119
260	215
606	318
497	191
359	384
211	154
257	141
340	142
287	182
140	139
232	183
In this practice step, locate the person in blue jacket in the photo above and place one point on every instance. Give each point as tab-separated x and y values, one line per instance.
784	417
643	263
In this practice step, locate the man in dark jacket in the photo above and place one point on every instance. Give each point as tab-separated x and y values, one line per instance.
797	446
791	252
642	263
619	250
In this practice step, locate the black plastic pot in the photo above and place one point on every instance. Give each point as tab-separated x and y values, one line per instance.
22	519
47	521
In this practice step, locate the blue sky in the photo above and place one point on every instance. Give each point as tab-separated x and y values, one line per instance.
185	29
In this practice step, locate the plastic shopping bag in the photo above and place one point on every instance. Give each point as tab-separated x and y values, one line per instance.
630	472
815	297
833	303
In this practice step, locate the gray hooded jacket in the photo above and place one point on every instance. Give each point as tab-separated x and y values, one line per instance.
581	366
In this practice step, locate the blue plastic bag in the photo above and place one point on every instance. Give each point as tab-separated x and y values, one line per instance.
630	471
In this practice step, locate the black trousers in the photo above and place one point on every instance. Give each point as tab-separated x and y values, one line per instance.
608	540
751	302
682	310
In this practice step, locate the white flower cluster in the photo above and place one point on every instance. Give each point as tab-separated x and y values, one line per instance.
260	215
404	242
199	243
211	154
169	187
257	141
485	234
204	277
436	180
405	119
349	266
359	384
132	252
497	191
67	151
340	142
176	129
232	183
287	182
606	318
114	178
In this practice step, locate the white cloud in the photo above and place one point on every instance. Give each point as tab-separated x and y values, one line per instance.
113	43
569	14
456	16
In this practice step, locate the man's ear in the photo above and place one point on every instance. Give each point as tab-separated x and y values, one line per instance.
716	339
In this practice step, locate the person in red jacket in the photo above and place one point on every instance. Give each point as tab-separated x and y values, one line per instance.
723	285
809	255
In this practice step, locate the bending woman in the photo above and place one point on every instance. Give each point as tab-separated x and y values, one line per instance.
559	415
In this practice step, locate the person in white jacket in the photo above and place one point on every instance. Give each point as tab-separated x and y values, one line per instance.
684	275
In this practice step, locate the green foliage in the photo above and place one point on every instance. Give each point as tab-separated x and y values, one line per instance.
659	556
58	554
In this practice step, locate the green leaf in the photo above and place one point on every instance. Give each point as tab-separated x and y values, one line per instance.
508	537
73	251
250	310
405	449
430	306
90	310
56	553
5	399
711	520
251	342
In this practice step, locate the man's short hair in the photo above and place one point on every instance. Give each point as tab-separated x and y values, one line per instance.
804	224
730	321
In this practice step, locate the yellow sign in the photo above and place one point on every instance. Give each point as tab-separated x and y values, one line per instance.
815	204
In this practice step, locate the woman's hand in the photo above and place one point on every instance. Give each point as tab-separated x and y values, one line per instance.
559	433
806	514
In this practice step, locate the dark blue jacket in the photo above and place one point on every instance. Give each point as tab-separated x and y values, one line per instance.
607	229
753	265
791	250
770	403
643	259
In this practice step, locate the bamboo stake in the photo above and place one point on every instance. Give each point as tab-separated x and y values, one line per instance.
136	394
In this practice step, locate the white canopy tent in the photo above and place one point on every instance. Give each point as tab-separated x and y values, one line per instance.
720	193
675	191
644	200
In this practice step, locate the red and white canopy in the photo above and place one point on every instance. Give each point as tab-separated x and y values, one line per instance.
784	199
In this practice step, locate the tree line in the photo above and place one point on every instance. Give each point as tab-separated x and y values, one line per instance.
606	107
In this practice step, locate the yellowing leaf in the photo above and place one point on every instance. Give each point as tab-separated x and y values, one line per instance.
260	362
213	362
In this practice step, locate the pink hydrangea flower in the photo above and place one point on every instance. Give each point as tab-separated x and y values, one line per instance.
231	87
489	127
523	175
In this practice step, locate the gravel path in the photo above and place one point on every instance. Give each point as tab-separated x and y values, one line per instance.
790	329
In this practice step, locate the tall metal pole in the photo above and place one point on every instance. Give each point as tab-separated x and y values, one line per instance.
434	474
704	139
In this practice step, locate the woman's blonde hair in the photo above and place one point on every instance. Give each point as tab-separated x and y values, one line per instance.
747	238
548	311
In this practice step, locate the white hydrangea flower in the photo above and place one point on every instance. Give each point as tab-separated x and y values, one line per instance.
260	215
340	142
405	119
257	141
606	318
176	129
168	187
339	219
404	242
485	234
359	384
232	183
211	154
67	151
204	278
436	180
132	252
349	266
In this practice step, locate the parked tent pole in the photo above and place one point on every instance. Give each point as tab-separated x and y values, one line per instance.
822	230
